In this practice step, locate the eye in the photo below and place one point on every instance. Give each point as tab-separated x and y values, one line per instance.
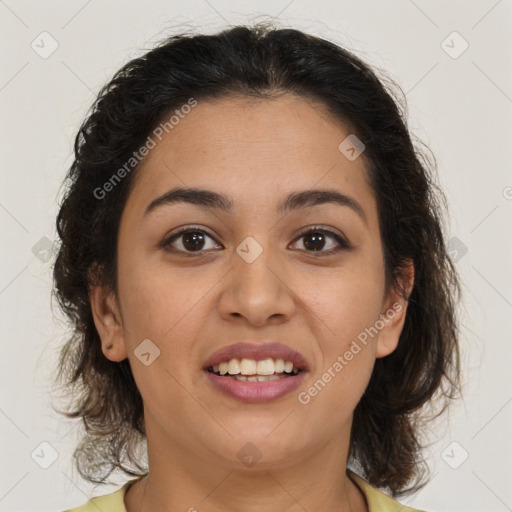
317	239
188	240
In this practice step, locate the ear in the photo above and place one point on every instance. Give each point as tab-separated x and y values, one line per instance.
107	320
393	313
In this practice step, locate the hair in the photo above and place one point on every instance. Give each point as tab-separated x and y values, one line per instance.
260	61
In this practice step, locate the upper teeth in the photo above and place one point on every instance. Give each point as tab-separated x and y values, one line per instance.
252	367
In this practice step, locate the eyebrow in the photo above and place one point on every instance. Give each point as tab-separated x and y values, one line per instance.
213	200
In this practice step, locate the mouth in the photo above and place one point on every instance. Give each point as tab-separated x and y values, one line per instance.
256	373
251	370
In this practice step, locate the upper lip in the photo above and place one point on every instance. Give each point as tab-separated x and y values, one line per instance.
257	351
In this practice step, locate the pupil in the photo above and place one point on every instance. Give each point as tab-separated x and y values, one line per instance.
318	241
193	240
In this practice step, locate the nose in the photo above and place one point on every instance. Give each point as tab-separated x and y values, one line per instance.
257	292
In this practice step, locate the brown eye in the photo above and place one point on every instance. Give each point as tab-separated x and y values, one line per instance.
189	241
316	240
193	240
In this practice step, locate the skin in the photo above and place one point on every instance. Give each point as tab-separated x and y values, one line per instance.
256	152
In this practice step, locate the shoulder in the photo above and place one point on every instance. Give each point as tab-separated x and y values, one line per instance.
377	500
113	502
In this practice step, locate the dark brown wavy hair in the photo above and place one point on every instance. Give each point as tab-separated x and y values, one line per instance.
261	61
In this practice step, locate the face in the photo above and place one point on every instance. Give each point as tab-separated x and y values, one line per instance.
309	276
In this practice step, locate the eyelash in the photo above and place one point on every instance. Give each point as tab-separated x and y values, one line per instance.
343	244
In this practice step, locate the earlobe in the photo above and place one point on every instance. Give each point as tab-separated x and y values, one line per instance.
394	313
108	322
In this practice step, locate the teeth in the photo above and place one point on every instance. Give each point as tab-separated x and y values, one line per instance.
247	366
234	367
265	367
279	366
257	378
251	367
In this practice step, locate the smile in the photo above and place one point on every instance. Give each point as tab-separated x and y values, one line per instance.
254	381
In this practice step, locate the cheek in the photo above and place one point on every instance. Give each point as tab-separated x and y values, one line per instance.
167	307
346	304
344	301
161	303
170	306
345	309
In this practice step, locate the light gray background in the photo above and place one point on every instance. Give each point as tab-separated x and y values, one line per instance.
460	106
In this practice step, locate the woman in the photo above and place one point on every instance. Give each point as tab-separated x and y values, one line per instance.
253	260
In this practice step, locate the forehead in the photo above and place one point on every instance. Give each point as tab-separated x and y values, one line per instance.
255	150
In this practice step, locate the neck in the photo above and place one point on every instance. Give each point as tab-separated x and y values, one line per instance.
183	479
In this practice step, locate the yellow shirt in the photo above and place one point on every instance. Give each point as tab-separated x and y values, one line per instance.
376	499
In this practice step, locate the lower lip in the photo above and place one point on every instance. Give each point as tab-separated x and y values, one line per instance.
255	391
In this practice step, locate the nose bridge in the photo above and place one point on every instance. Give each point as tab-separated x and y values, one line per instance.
256	291
252	265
